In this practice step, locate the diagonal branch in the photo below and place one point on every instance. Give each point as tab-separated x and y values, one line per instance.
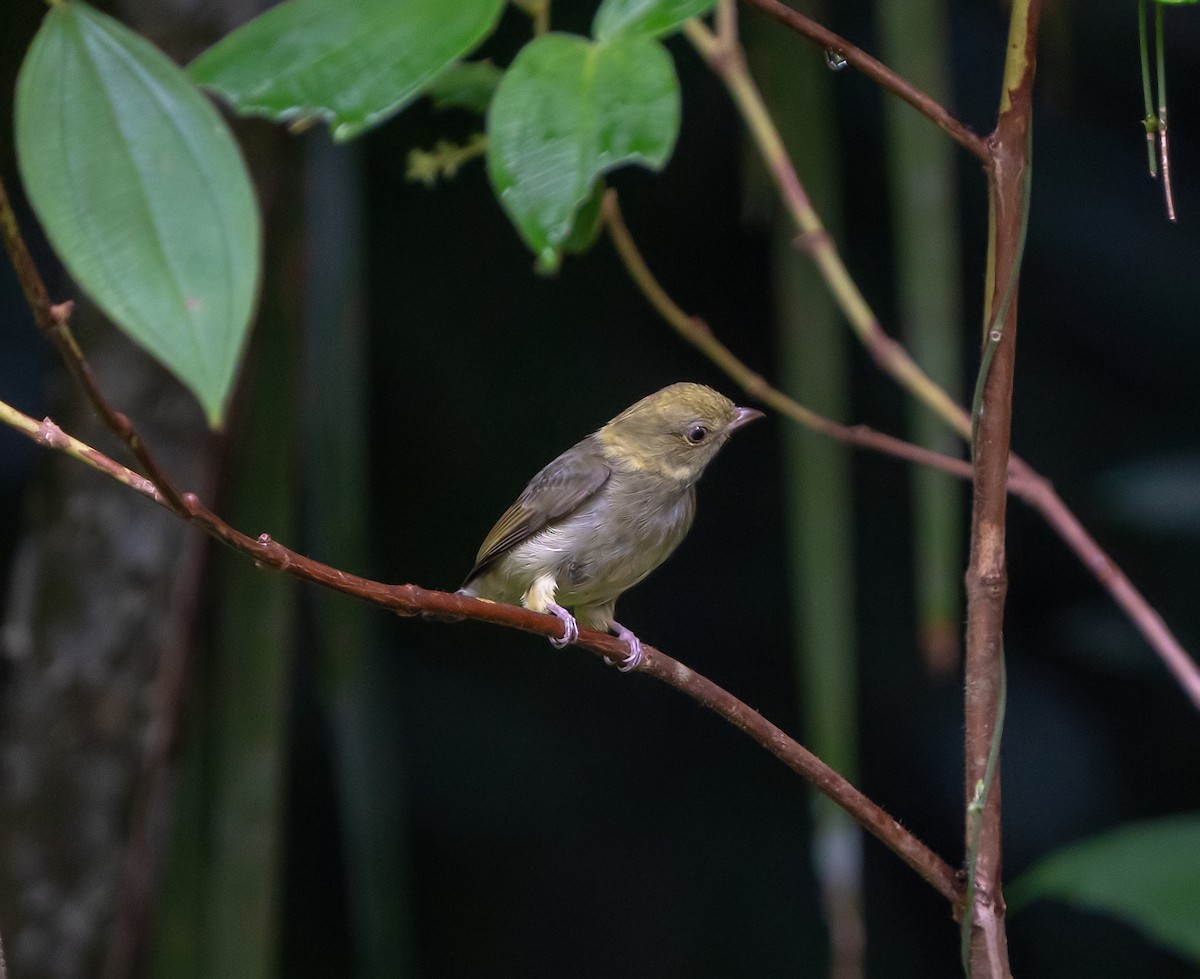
412	600
698	333
54	321
1024	482
879	73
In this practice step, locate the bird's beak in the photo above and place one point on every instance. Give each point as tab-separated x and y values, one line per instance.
743	416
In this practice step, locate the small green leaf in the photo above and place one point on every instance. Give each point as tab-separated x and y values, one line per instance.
142	192
353	64
567	111
465	85
648	18
1145	874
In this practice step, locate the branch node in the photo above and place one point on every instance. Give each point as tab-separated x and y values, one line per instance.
49	433
811	242
61	312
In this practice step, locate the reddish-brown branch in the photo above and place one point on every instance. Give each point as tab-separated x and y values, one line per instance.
53	320
987	571
879	73
413	600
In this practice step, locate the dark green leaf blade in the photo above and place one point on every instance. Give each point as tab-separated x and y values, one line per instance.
352	64
142	192
1145	874
586	227
648	18
568	111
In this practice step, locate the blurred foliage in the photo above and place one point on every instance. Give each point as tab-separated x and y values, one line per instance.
1143	873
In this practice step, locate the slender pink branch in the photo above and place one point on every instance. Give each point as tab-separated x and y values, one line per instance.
1040	494
1023	480
879	73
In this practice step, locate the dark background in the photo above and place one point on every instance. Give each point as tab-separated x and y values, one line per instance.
563	819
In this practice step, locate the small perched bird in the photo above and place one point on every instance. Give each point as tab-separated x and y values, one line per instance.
606	512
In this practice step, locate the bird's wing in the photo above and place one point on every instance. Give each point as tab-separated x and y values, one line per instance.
555	492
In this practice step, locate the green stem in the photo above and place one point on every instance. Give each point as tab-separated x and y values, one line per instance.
995	330
729	63
1149	120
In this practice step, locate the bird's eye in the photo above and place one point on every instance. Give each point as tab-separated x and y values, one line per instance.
696	434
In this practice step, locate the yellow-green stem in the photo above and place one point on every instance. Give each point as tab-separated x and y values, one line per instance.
728	61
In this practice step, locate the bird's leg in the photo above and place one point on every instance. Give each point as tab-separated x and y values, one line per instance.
601	617
540	598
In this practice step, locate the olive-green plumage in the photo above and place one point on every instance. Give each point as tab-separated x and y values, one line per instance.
606	512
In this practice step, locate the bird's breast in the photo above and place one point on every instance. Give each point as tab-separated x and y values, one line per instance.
606	546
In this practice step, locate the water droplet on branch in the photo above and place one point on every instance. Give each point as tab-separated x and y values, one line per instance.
834	59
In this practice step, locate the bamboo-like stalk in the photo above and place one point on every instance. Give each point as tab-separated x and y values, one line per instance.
819	501
924	205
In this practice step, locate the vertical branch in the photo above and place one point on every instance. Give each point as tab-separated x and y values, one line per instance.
987	576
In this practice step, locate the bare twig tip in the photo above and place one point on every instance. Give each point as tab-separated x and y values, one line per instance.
757	387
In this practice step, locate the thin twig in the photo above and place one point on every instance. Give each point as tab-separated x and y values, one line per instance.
1023	481
698	333
1026	484
728	61
54	321
1163	148
412	600
879	73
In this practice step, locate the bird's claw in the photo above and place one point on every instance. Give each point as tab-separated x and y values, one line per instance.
570	627
635	657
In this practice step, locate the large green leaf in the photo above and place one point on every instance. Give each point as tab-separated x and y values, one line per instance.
353	64
142	192
567	111
1147	874
652	18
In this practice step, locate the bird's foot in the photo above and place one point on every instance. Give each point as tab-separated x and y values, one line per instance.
570	626
635	657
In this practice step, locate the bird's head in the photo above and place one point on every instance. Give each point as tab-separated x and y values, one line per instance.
676	431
